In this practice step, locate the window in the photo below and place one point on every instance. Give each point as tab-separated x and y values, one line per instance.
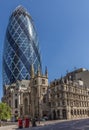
59	104
23	85
35	82
58	95
58	113
49	104
15	94
57	83
26	106
43	90
16	112
43	81
71	112
44	99
16	103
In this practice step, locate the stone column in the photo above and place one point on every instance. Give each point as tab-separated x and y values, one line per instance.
68	112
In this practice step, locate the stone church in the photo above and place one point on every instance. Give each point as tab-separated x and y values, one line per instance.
28	98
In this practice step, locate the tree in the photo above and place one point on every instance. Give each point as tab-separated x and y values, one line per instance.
5	111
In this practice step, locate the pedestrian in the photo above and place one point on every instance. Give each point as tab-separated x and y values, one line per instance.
33	122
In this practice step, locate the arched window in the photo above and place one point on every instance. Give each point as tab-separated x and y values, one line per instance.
83	112
43	81
80	112
16	103
71	112
77	112
64	113
44	99
74	112
58	113
26	106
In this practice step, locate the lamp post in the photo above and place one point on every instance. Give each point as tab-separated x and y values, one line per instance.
21	105
19	98
12	101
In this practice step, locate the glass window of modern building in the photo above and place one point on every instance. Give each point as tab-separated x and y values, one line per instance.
21	47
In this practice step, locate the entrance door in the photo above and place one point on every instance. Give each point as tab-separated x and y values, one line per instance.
64	113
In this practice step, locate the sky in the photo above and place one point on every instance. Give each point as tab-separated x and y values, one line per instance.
63	30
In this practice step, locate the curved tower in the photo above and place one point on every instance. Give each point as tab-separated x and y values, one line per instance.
21	47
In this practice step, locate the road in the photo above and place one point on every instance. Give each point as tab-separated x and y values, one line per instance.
82	124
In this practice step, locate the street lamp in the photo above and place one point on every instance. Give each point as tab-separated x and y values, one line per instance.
12	113
21	105
19	97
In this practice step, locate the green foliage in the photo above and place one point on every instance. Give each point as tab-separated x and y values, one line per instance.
5	111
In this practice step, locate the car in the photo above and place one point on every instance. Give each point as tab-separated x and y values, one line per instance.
45	117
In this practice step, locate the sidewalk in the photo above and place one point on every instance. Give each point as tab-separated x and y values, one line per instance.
9	127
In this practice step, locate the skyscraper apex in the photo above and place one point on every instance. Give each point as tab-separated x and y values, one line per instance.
20	10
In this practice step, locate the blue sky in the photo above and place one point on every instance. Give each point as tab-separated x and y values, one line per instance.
63	31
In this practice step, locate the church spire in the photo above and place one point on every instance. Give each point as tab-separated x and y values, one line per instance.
32	71
39	72
46	72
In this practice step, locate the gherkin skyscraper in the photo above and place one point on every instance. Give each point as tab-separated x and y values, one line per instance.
21	47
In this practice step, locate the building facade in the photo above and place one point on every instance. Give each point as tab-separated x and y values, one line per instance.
80	74
69	99
62	99
28	98
21	47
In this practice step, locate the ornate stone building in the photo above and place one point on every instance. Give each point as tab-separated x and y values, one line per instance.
69	99
28	98
65	98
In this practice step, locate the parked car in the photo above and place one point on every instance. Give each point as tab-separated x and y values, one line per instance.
45	117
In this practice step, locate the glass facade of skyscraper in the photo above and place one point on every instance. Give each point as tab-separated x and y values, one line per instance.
21	48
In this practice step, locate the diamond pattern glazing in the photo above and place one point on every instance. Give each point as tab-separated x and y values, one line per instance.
21	48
